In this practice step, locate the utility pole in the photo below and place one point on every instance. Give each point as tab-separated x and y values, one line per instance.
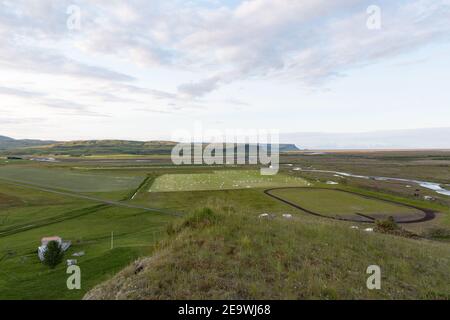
112	240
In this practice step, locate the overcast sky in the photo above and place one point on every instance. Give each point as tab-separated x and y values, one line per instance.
142	69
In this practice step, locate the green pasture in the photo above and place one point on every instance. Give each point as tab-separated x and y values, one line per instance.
71	180
335	203
90	228
222	180
28	214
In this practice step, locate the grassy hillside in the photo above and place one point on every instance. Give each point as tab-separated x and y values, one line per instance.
99	147
225	254
7	143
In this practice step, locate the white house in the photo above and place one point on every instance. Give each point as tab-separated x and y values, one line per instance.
44	242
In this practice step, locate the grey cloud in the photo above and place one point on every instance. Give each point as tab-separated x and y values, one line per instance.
19	92
135	89
41	99
38	60
198	89
297	40
311	41
11	120
73	107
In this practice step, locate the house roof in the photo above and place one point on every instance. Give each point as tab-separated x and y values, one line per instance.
48	239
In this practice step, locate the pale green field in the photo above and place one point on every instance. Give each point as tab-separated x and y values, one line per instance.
67	179
222	180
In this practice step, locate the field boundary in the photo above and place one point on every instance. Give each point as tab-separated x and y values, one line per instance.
28	185
428	214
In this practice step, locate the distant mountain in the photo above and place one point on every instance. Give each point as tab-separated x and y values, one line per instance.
286	147
3	138
10	146
433	138
93	147
7	143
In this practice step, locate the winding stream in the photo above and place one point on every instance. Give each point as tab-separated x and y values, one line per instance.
426	184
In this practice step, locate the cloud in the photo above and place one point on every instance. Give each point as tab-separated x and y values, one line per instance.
20	120
200	88
348	45
310	41
41	99
39	60
19	92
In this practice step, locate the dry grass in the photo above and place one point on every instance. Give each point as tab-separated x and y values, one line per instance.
221	254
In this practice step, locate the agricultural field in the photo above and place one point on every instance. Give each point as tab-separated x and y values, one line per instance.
345	205
222	180
38	200
123	209
69	179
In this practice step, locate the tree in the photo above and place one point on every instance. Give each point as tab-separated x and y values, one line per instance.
53	255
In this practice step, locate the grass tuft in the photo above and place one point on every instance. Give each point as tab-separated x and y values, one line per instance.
234	255
387	225
196	220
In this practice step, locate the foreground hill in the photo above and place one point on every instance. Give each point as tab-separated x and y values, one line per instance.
217	255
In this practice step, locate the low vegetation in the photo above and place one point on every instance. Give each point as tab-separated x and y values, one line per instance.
222	180
389	226
226	250
438	233
221	254
53	255
338	203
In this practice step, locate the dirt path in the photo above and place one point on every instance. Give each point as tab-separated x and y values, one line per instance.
428	214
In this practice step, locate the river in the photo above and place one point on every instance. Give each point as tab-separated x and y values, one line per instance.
426	184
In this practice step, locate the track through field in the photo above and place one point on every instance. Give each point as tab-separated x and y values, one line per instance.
29	185
427	214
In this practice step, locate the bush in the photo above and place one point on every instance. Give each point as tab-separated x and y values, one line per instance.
196	220
53	255
388	224
200	218
172	228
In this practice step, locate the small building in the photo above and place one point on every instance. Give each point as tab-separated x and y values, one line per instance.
43	159
44	242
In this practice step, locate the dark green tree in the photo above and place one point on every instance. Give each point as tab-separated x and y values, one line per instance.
53	255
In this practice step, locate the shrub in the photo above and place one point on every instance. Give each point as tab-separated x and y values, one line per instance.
387	225
53	255
201	218
196	220
437	233
172	228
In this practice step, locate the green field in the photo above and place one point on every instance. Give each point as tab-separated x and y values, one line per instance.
67	179
240	257
87	225
336	203
224	254
30	210
222	180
